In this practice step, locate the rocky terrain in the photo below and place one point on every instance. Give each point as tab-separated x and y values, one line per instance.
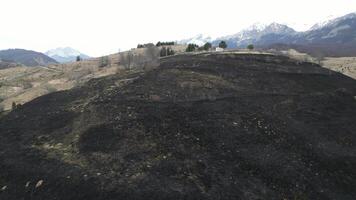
200	126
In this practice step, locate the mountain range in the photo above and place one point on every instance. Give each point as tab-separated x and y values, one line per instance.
334	37
66	54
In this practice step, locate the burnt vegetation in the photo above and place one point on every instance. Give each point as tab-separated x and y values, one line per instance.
200	126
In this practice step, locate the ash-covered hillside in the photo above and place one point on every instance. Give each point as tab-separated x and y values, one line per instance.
201	126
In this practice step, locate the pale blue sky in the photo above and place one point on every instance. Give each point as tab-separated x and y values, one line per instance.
99	27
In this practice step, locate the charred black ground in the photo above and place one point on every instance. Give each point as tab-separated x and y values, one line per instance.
207	126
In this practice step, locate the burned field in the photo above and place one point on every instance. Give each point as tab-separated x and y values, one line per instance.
205	126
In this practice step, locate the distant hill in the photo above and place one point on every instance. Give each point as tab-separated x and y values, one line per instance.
65	55
26	57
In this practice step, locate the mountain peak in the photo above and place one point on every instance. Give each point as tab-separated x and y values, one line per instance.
331	20
199	39
63	51
256	27
65	54
279	28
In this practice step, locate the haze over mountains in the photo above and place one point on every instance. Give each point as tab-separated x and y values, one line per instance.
65	55
339	32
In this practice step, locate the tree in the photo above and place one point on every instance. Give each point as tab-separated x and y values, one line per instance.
126	59
166	51
78	58
223	45
250	47
207	46
164	44
191	47
152	53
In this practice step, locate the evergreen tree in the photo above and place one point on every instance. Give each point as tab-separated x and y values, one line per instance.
223	45
250	47
191	47
207	46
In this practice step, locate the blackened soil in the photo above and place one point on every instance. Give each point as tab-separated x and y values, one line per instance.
208	126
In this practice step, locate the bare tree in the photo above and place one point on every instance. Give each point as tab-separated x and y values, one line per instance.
152	53
126	59
104	61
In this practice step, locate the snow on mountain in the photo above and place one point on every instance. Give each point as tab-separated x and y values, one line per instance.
66	54
332	21
251	33
63	52
198	40
255	33
322	23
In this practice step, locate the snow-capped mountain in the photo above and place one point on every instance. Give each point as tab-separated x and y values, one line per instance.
198	40
66	54
250	35
332	20
335	36
322	23
339	30
256	34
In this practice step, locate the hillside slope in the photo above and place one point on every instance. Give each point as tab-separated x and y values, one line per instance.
26	57
201	126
